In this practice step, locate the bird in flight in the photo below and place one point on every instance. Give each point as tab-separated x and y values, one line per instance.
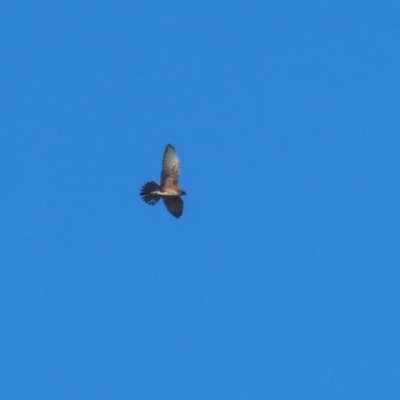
169	190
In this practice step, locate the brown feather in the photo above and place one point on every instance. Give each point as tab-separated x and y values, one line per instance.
170	169
146	195
174	205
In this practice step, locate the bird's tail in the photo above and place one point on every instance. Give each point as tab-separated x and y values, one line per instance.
146	193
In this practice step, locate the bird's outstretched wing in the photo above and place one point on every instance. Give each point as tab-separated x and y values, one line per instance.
170	168
174	205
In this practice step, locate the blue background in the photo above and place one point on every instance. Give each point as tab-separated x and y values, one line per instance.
281	280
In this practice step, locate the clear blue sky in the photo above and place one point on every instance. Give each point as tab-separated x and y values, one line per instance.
281	280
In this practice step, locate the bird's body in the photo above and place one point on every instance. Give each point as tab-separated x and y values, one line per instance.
169	190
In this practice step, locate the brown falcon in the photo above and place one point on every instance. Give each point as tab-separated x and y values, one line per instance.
169	190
